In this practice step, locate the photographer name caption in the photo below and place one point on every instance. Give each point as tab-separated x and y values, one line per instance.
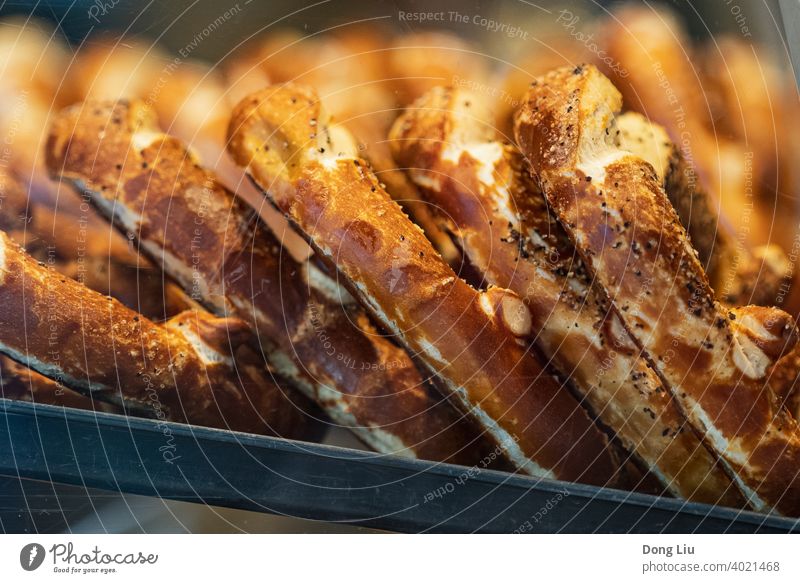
632	557
717	557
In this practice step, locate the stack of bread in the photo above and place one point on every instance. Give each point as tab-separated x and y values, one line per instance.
351	227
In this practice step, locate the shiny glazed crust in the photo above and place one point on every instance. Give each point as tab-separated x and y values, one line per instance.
500	218
182	371
715	362
221	253
738	274
474	341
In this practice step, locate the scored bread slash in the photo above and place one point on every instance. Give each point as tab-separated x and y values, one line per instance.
181	371
472	340
499	217
220	252
716	363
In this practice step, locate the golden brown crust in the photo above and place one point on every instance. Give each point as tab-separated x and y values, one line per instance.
33	55
371	131
78	253
472	340
614	208
447	147
108	68
347	71
83	247
93	344
663	83
787	380
738	274
226	258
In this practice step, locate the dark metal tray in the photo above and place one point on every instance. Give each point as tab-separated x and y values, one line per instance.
320	482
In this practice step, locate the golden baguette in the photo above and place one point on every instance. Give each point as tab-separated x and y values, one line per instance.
187	222
716	363
475	341
195	368
480	187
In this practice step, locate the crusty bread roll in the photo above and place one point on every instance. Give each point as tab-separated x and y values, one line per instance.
56	226
738	273
151	186
665	82
446	142
33	57
84	248
359	80
715	362
195	368
113	68
419	61
746	95
474	341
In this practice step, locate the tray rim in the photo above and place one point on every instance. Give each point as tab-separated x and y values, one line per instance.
410	466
